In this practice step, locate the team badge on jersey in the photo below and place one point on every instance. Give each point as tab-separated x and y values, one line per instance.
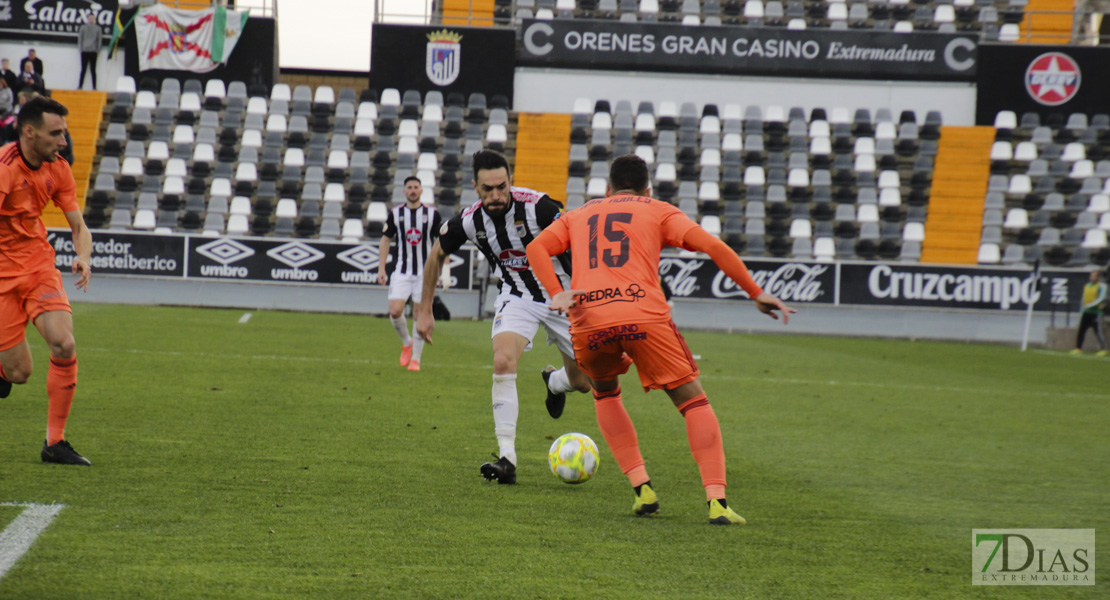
443	57
1052	78
521	230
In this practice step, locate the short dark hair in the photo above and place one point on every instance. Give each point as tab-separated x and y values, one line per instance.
413	178
629	172
32	112
490	160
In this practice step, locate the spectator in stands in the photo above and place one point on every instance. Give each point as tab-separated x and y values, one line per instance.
1094	297
8	75
34	60
8	130
89	40
7	100
29	80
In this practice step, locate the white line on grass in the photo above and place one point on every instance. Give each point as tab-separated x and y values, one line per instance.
243	319
18	536
902	386
1062	354
353	361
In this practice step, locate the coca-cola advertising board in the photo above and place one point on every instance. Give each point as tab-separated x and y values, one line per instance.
793	282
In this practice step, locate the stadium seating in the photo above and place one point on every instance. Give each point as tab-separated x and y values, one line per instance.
996	20
1049	192
772	182
834	183
319	157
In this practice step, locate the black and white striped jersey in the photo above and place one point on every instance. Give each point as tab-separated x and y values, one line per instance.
414	230
502	240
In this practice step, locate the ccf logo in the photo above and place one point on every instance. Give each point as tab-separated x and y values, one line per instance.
1052	78
443	57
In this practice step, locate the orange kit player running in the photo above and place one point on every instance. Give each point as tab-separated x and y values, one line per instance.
32	174
619	315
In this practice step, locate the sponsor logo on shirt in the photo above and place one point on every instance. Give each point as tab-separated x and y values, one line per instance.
514	260
610	295
618	333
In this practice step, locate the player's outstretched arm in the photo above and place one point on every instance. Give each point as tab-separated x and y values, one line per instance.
425	322
701	240
82	243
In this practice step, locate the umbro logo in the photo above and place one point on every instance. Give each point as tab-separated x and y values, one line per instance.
225	251
295	254
362	257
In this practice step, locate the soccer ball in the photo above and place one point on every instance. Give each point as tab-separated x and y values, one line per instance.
573	457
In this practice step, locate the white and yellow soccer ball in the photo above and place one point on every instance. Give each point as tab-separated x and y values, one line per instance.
573	457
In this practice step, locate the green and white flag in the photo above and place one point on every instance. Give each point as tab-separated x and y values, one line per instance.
187	40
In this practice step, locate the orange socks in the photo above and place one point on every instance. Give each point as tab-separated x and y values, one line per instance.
61	383
702	429
704	433
620	435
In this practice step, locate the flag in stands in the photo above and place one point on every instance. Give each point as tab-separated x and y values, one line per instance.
187	40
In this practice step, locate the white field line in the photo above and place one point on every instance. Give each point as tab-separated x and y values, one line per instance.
1062	354
884	385
20	534
243	319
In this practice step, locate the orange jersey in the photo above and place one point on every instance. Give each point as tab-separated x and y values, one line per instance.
24	193
615	244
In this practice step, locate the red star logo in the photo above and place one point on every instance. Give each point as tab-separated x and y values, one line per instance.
1052	78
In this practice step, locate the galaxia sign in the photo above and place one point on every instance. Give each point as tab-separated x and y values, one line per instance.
31	19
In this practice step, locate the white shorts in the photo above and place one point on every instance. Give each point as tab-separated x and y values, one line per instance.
403	287
523	317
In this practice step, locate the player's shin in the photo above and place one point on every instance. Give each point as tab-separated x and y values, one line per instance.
61	384
506	407
620	435
704	434
400	325
417	343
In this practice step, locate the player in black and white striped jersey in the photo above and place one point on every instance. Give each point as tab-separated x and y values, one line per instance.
415	226
501	225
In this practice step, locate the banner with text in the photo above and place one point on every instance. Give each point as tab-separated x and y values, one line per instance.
120	253
53	20
795	282
792	282
251	259
855	54
942	286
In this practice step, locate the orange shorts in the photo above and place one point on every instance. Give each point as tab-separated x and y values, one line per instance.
658	349
24	298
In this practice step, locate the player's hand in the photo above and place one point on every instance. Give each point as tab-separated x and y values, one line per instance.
382	278
84	273
425	324
768	304
564	301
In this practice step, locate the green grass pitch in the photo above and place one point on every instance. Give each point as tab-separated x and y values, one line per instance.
291	457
